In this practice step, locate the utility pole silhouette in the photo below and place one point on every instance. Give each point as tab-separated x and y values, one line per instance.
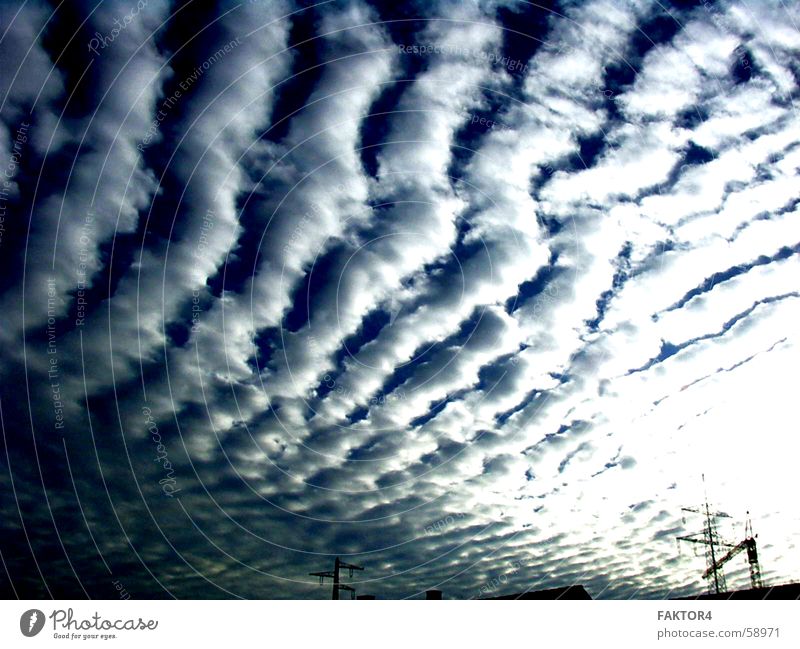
334	574
709	537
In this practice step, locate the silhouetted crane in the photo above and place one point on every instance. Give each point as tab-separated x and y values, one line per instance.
749	544
714	544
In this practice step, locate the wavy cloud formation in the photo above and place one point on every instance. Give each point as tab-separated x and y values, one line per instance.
468	293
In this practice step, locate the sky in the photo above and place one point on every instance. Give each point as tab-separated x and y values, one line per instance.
477	295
